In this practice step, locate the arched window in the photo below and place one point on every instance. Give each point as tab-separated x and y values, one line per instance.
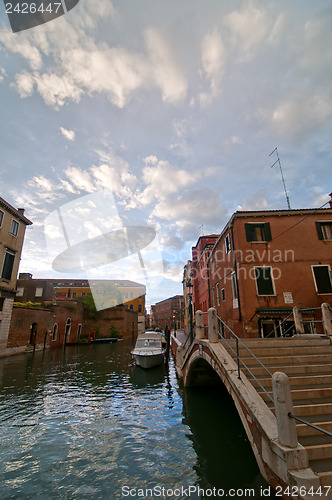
55	331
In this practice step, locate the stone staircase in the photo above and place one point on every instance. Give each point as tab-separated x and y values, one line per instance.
307	360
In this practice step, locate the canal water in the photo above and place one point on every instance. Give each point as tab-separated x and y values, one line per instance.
86	423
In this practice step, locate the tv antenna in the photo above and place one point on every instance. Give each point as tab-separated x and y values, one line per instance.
282	175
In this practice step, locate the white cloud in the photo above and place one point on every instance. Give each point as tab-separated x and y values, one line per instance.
81	179
42	182
163	179
248	28
213	63
68	134
2	74
24	84
22	46
166	73
302	113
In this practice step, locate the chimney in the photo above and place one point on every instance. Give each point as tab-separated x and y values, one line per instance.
21	211
330	200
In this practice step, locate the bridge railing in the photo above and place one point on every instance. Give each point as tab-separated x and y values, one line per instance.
240	361
286	388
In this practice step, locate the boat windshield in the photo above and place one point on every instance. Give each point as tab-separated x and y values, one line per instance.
148	343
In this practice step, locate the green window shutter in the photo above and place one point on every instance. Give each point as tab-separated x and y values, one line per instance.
264	281
267	231
248	228
319	230
8	266
323	279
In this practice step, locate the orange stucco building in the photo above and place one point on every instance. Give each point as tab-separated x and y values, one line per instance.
266	262
13	224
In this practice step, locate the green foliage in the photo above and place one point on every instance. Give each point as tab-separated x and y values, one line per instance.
114	332
89	304
28	304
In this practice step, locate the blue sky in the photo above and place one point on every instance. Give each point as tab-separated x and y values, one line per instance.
171	107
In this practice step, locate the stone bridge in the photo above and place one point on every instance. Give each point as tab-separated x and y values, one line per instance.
282	460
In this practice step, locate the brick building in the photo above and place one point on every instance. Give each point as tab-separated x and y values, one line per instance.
65	322
116	292
12	230
199	277
169	312
266	262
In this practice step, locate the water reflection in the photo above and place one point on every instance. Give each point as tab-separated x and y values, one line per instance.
83	422
225	459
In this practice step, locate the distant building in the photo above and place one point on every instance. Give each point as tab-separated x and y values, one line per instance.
266	262
187	296
12	231
126	292
169	312
199	273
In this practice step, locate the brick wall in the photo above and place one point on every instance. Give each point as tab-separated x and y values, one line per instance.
124	320
26	319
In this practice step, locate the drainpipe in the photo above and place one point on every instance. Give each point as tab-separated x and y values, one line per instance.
208	276
235	270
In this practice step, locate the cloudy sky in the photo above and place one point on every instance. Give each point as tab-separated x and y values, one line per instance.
163	114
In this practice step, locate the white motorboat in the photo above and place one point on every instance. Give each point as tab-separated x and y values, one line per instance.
149	350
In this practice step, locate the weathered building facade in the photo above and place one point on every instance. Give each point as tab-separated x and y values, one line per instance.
169	312
12	230
109	292
199	275
266	262
67	322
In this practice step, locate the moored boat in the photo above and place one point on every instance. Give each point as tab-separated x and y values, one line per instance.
149	350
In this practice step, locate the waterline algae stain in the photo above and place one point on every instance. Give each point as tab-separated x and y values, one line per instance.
86	423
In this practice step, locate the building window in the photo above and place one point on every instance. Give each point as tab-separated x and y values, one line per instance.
1	217
55	331
139	308
228	243
218	296
324	230
223	295
83	294
264	281
79	330
20	292
8	264
14	228
258	232
74	295
322	275
39	292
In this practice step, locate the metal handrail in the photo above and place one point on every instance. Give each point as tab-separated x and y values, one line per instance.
309	424
239	360
238	364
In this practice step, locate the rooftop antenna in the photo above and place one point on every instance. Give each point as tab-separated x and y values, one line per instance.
202	228
282	176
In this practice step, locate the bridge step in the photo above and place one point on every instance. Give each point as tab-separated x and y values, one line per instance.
312	359
308	363
308	382
325	478
318	452
322	369
280	342
285	351
305	394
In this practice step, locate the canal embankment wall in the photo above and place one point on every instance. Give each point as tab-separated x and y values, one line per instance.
53	325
